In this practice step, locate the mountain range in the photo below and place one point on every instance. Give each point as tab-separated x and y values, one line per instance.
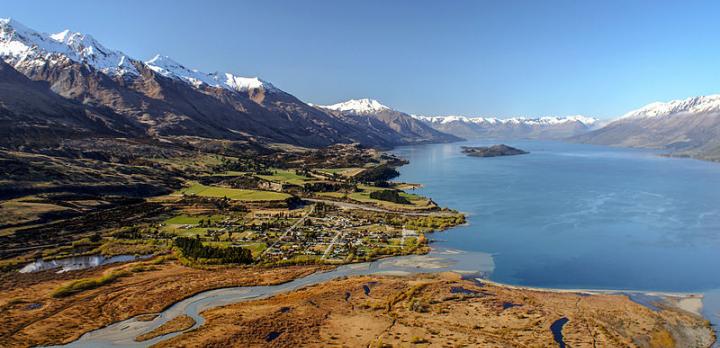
688	127
511	128
69	86
162	98
371	114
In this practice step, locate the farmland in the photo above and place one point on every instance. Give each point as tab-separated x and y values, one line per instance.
233	194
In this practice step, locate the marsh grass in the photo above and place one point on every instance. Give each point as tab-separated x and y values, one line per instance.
81	285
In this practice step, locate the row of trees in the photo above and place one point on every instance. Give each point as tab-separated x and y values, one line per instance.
194	248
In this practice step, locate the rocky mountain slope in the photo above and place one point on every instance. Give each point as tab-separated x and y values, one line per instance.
512	128
164	98
688	127
371	114
32	114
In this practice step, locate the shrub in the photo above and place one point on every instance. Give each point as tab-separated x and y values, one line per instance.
418	340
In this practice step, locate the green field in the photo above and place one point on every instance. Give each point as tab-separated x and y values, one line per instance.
287	177
417	202
234	194
342	171
332	194
255	248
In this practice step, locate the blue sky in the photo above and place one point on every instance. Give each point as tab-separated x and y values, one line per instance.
491	58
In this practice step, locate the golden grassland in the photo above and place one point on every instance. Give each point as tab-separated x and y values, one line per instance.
441	310
32	316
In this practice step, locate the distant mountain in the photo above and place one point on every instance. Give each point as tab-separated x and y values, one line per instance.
688	127
371	114
511	128
356	107
161	97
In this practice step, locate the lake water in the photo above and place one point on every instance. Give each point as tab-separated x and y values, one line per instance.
579	216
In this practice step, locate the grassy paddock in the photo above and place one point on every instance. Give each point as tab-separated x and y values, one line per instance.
234	194
416	202
347	172
287	176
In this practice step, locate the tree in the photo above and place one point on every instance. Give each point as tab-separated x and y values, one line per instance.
389	196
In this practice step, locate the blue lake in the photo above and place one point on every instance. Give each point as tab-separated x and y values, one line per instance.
579	216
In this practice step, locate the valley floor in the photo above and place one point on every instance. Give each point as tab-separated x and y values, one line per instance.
265	225
439	309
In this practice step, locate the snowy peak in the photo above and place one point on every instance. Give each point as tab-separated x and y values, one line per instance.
359	106
693	105
547	120
548	127
242	84
20	45
167	67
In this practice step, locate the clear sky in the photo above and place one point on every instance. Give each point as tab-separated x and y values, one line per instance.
491	58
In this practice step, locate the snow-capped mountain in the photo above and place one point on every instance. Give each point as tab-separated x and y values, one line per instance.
374	115
167	67
694	105
550	127
22	46
688	127
357	106
548	120
161	97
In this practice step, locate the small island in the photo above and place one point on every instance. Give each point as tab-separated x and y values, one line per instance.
492	151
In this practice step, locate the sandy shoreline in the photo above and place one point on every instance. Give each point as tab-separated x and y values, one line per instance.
687	301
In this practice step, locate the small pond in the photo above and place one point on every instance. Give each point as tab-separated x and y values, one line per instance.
76	263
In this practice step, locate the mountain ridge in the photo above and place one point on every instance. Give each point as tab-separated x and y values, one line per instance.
384	119
168	99
549	127
683	127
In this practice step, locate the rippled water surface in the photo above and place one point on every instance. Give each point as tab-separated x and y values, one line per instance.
580	216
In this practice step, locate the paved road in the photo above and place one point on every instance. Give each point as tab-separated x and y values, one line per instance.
301	220
334	240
